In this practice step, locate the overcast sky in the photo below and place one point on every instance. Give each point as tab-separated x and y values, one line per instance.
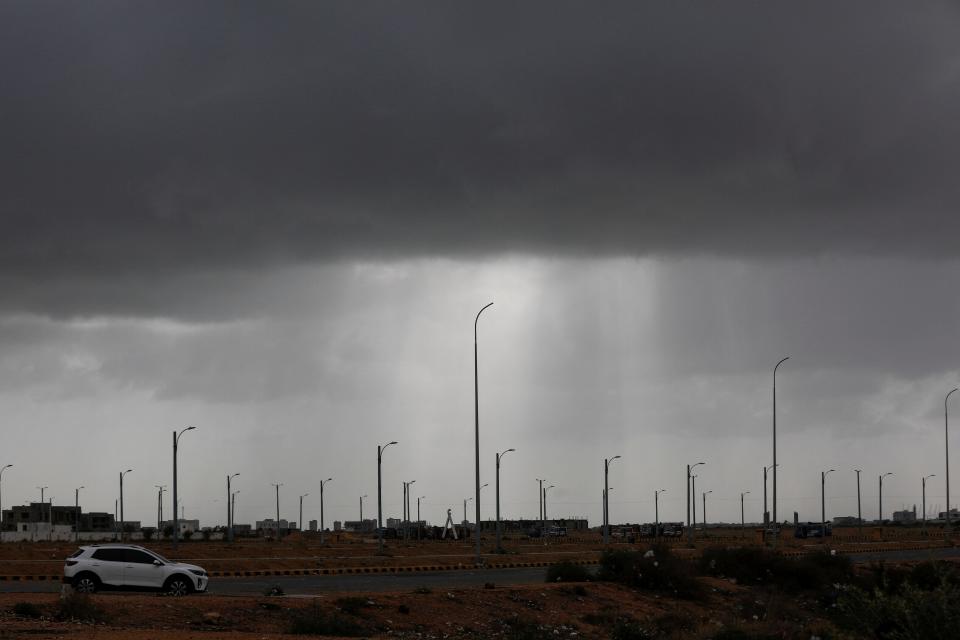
277	221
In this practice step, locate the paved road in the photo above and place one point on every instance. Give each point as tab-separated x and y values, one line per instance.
307	585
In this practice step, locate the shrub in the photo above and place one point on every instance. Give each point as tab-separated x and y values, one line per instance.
27	610
351	604
753	565
314	621
567	572
656	570
733	633
905	605
79	607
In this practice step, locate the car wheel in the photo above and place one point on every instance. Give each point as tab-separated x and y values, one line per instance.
86	583
178	586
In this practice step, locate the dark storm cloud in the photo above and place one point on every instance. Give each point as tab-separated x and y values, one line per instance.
156	137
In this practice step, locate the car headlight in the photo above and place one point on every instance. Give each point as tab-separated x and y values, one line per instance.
198	572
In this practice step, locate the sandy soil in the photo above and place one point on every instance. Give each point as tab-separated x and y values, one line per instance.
298	553
560	611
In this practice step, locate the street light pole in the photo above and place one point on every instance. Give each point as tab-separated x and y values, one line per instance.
361	509
689	494
379	496
300	522
606	498
233	507
766	513
323	484
880	515
122	520
176	524
499	534
946	451
705	511
406	509
656	512
419	498
776	527
476	406
4	468
465	501
859	512
76	513
229	509
823	503
932	475
160	489
543	522
277	486
545	502
742	524
43	502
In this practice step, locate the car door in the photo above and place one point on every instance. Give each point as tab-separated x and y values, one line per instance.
141	570
108	565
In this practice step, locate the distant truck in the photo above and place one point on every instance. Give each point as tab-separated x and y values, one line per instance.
812	530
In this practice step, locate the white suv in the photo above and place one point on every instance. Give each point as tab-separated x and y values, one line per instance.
126	566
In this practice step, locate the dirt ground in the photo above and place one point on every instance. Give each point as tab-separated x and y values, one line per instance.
584	610
304	552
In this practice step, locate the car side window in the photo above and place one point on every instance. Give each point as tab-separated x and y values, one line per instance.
138	557
109	555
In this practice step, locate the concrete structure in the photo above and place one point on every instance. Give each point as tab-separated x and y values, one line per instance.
14	518
362	526
905	515
191	526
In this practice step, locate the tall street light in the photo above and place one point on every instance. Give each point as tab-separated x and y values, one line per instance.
742	523
160	489
656	512
705	511
880	506
946	450
859	512
823	503
42	501
776	527
323	485
361	509
176	524
277	485
233	506
543	521
76	513
499	534
465	501
380	495
689	478
924	482
766	513
406	509
230	508
122	520
476	430
418	515
545	489
300	522
606	498
2	469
